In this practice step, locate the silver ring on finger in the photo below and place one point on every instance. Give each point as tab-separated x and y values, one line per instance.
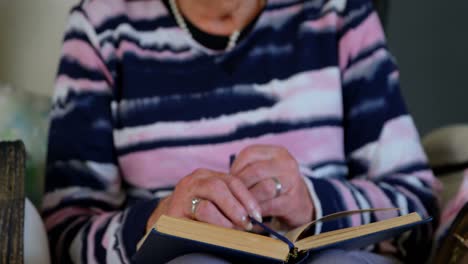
278	186
195	202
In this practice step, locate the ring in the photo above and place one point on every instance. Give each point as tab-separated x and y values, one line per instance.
278	186
195	203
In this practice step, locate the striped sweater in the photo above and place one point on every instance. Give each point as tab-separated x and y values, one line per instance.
138	105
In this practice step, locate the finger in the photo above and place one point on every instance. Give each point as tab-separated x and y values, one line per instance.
216	190
259	229
244	196
264	190
256	172
276	207
207	212
251	154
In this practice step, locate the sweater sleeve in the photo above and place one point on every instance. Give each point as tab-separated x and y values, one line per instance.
386	164
85	206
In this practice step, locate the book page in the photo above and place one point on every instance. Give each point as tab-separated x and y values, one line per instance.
355	231
223	237
294	234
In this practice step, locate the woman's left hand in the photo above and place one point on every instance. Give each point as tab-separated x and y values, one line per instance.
272	175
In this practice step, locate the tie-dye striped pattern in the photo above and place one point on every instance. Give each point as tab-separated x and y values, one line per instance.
138	105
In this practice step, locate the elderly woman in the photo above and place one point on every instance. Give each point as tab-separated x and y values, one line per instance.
153	97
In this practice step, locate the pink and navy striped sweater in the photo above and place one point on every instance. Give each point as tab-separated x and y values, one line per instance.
138	105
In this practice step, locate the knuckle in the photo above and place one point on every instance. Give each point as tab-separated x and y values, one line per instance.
185	182
284	154
199	171
203	183
248	150
289	165
215	184
230	181
282	150
235	185
239	186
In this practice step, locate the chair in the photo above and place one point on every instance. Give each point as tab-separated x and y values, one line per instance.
12	165
19	220
447	150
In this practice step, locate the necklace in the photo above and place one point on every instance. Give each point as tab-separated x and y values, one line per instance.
181	23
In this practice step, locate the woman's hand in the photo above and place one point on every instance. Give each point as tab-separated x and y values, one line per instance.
224	201
272	175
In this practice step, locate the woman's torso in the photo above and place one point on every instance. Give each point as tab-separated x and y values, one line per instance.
179	106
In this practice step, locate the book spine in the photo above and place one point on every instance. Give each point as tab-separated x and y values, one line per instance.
293	254
273	233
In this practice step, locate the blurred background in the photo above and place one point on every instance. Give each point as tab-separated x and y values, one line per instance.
428	38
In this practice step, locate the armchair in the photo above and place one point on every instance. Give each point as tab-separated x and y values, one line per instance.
12	166
23	238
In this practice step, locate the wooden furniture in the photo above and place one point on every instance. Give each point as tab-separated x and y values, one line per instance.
454	248
12	168
447	151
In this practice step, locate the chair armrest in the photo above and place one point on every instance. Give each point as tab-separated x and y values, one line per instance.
453	249
447	150
12	169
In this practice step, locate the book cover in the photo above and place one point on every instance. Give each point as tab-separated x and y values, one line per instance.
161	248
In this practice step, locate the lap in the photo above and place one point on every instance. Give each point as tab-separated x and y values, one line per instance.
350	257
198	258
328	257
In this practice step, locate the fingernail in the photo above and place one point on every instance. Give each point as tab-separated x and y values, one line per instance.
247	224
249	227
257	216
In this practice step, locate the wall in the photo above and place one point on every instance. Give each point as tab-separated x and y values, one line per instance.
430	42
31	34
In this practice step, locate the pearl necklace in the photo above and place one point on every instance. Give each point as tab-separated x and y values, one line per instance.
181	23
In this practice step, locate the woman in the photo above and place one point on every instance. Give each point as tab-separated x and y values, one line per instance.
153	97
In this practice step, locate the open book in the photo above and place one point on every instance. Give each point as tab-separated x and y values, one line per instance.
172	237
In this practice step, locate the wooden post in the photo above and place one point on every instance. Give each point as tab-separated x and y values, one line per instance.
12	168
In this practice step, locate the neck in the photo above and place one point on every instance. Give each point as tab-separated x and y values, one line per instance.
220	17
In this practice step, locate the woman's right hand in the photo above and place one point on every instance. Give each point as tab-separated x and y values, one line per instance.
225	201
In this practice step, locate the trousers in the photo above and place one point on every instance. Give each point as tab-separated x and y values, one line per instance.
332	256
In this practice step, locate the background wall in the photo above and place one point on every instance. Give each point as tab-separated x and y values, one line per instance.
426	36
430	41
30	41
